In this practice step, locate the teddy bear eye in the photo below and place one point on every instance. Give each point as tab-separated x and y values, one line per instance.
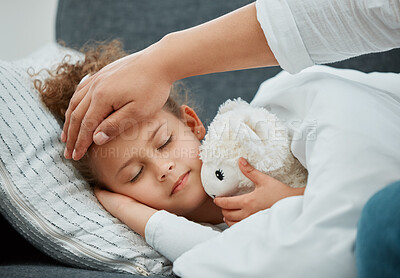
219	174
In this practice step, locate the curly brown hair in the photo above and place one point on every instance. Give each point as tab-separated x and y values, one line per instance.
57	89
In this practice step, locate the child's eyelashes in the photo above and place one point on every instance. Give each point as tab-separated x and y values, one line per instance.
137	176
166	143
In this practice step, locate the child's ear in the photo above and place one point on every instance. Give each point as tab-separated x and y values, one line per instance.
190	118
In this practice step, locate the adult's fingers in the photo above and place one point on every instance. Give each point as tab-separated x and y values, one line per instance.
115	124
75	100
84	81
74	126
96	112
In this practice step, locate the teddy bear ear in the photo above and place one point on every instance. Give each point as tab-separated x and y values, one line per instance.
229	105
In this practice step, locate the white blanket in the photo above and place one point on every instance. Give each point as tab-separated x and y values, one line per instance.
346	132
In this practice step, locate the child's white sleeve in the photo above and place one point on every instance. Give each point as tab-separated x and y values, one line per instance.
301	33
172	235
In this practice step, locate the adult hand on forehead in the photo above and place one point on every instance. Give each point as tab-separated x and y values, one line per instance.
138	85
112	100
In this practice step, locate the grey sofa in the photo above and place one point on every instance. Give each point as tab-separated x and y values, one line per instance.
137	24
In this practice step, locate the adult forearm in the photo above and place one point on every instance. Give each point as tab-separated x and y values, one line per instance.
231	42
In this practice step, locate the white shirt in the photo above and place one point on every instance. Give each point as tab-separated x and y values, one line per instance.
345	132
302	33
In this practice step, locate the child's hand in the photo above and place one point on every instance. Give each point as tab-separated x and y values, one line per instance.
266	193
128	210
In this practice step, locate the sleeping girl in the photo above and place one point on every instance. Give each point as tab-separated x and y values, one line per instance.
154	165
344	133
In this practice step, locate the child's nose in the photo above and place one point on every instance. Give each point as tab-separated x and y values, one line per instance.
165	169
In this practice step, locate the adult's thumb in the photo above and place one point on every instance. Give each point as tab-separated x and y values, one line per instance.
115	124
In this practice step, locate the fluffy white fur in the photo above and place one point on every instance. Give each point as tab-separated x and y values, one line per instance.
241	130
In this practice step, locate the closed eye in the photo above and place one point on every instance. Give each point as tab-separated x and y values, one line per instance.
137	176
160	148
165	144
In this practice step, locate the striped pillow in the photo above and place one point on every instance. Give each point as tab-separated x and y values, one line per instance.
43	198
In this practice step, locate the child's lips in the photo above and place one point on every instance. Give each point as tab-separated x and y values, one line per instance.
180	184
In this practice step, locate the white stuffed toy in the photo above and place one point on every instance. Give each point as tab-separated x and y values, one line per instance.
241	130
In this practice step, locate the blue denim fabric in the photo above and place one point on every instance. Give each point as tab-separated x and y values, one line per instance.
378	237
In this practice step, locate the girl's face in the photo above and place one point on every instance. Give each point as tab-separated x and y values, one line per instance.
155	162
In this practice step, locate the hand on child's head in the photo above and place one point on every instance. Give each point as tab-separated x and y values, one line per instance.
108	98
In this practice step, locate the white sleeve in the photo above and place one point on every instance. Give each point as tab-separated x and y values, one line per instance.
301	33
172	235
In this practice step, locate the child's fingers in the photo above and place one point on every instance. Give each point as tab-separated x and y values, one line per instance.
252	173
234	214
235	202
115	203
230	223
105	195
98	190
